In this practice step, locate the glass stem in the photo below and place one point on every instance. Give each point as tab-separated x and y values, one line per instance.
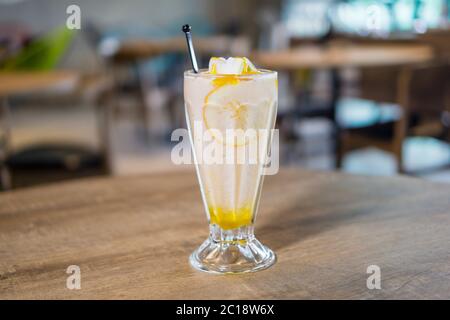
241	235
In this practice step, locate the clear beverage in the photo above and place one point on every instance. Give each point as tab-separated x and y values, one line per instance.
230	120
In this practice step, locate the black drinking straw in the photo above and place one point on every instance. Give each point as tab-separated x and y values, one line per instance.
187	31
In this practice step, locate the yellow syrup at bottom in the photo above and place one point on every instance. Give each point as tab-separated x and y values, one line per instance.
231	218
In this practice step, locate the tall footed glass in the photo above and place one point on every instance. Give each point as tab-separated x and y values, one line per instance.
230	120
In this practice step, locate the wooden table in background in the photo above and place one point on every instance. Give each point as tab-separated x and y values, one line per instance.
129	53
343	55
136	49
337	56
21	82
132	236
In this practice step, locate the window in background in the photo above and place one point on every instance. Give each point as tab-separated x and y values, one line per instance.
403	12
418	16
306	18
309	18
431	12
362	17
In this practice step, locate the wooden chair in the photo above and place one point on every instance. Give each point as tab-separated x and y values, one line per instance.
5	178
440	41
44	159
94	89
420	92
125	64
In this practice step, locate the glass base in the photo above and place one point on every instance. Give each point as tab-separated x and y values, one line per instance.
232	251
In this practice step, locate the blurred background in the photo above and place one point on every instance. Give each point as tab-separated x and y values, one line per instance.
364	85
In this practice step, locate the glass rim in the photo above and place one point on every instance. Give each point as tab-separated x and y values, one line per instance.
203	74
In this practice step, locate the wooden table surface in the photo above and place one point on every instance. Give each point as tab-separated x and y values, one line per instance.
131	238
19	82
343	55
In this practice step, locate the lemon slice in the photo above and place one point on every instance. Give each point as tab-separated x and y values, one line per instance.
226	110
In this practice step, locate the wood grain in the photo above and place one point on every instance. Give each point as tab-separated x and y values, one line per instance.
339	56
131	237
20	82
